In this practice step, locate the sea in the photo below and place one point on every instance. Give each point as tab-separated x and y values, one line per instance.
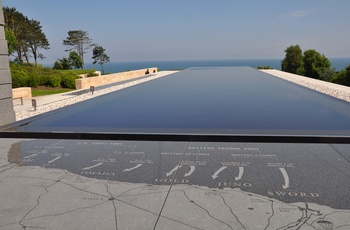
114	67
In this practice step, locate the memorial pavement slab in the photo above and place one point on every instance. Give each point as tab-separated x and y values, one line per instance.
60	184
343	150
86	184
259	186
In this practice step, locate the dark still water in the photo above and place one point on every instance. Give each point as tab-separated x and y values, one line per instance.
205	100
113	67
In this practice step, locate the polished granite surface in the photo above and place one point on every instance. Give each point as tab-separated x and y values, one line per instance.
88	184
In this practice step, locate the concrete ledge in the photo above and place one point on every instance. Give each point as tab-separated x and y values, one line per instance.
85	83
98	73
24	92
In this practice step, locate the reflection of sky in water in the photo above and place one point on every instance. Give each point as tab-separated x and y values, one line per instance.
230	100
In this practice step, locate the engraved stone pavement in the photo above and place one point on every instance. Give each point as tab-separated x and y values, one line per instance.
80	184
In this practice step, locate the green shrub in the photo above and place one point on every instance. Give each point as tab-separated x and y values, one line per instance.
44	80
92	74
33	82
24	75
264	67
340	78
68	81
54	81
34	78
328	74
19	77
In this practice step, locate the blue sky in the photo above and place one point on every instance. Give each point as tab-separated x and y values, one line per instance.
194	29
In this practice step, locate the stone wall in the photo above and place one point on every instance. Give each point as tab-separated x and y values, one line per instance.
7	114
23	92
85	83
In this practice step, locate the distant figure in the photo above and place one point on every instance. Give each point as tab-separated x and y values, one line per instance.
147	71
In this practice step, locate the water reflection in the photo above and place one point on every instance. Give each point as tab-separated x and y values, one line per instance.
230	100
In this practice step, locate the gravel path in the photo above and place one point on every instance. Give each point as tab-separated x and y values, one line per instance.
334	90
59	101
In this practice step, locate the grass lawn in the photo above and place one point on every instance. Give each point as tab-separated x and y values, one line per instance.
42	91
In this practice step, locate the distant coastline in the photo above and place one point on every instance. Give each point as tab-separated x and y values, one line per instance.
275	63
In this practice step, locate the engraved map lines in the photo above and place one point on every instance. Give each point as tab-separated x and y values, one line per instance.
193	159
142	190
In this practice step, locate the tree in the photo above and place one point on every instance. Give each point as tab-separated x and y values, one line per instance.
28	33
293	61
36	40
11	41
347	75
62	64
14	21
315	64
57	65
79	41
75	60
340	78
100	56
68	63
328	74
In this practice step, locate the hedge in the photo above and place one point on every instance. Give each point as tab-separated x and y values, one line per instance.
31	76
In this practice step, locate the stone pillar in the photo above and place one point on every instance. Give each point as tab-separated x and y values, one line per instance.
7	114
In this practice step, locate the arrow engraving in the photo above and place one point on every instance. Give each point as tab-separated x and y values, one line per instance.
94	166
216	174
33	155
130	169
240	174
286	178
54	160
191	171
174	170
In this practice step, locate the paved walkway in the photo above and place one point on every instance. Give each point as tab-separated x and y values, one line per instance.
41	100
